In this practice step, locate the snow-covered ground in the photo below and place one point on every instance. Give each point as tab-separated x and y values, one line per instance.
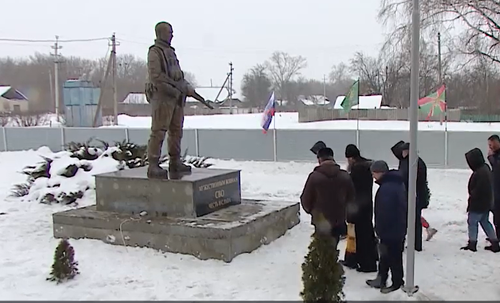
270	273
290	121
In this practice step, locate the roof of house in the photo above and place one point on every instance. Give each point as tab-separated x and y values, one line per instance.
314	100
135	98
10	93
365	102
209	93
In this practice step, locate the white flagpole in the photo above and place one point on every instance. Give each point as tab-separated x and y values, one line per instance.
357	127
357	119
275	142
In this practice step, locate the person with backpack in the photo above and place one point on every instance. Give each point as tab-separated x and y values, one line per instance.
401	152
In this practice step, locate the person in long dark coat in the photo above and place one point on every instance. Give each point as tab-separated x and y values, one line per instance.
401	151
360	213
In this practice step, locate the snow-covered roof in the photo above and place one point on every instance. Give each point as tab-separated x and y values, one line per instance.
314	100
365	102
9	93
135	98
210	93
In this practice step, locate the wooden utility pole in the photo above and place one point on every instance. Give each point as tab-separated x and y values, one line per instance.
56	47
230	87
114	76
103	84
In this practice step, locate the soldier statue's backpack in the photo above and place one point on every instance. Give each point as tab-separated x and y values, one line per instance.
150	89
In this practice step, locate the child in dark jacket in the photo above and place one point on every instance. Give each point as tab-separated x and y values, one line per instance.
390	225
480	201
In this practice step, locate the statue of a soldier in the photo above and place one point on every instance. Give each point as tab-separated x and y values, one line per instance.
166	91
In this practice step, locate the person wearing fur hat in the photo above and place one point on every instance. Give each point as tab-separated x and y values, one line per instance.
360	213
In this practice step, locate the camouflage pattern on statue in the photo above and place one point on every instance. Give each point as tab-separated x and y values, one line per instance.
166	91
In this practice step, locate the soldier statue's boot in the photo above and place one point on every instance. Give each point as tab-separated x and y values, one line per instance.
175	165
154	151
155	171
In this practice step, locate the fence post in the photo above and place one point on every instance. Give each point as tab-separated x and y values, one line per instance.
63	139
126	135
4	131
196	143
446	149
275	146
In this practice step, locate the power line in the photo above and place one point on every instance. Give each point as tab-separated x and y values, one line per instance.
255	50
52	41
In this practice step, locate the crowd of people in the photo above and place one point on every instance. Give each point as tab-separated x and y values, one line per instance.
341	204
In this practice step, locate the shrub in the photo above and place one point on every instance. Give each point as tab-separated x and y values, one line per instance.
322	274
64	267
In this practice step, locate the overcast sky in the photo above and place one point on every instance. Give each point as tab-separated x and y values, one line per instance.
208	34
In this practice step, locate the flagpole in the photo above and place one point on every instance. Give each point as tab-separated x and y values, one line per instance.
357	120
410	287
445	105
275	142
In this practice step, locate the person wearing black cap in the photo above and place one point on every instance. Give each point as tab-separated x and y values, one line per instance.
401	151
391	209
314	149
325	196
360	213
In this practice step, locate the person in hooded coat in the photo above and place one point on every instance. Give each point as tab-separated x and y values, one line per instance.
401	152
360	213
480	201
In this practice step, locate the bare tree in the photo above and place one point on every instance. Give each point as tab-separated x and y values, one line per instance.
481	19
190	77
256	86
369	71
283	68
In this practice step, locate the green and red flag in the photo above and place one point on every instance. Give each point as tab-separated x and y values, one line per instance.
434	104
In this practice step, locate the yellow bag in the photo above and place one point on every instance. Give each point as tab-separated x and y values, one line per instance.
351	239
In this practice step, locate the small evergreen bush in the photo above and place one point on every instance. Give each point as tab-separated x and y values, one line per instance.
322	274
64	267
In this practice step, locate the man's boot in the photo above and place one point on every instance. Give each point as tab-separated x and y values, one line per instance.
378	282
471	246
494	247
175	165
155	171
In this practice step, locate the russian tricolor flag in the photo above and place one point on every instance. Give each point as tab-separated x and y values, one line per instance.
268	115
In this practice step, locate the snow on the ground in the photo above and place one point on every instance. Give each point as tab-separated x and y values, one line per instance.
290	121
272	272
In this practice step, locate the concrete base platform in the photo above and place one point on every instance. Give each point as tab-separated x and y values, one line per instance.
221	235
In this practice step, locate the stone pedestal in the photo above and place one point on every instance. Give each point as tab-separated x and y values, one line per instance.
200	214
187	195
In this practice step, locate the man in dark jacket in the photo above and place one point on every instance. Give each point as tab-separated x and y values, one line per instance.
360	213
390	225
401	151
314	149
325	196
494	159
480	201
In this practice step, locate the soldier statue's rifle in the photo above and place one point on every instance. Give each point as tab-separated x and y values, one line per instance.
183	90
